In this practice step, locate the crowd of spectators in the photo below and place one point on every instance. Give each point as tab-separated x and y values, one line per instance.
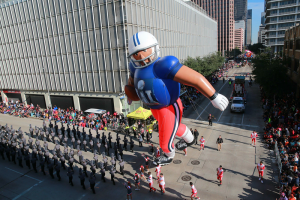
282	128
70	115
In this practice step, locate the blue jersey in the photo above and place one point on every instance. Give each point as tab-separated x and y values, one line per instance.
154	84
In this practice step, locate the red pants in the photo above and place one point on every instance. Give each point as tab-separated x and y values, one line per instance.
254	139
261	173
202	146
169	122
194	195
220	178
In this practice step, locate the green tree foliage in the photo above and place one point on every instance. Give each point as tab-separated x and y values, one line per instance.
206	65
271	74
256	47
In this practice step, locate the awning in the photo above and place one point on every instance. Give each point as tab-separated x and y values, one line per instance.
140	113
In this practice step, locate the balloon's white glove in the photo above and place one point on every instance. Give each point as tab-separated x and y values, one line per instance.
219	101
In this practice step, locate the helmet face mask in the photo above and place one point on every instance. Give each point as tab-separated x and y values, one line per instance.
140	42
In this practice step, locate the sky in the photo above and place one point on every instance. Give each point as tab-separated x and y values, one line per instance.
257	7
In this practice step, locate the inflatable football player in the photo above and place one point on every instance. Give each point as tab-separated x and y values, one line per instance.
156	82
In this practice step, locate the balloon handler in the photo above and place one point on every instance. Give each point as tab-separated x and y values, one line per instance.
156	82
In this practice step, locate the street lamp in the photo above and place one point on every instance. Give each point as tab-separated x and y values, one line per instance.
48	85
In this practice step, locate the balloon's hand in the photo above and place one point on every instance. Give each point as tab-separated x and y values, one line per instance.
220	102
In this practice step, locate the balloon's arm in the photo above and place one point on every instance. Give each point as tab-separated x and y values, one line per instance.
190	77
130	91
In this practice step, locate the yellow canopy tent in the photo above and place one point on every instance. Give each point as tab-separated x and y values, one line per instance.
140	113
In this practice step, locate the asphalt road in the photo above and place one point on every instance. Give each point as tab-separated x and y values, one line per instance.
238	157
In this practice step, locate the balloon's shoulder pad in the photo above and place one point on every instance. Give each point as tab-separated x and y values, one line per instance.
167	67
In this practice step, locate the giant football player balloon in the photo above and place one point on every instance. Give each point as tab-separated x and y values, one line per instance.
156	81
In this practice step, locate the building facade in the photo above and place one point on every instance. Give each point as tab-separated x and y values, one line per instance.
73	53
240	10
292	54
261	37
239	38
248	31
280	15
223	12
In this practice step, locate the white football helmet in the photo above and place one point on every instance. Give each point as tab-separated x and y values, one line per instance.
139	42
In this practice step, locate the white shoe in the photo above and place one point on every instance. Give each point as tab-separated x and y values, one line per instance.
259	178
262	181
184	154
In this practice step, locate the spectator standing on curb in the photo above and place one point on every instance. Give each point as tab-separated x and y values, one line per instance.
194	191
219	142
202	141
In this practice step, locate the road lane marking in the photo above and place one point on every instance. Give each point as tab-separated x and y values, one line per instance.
237	124
210	102
220	116
24	174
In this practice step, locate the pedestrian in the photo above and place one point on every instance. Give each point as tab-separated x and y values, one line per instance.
92	180
129	191
140	138
219	142
147	160
121	163
150	181
98	147
202	141
220	174
142	172
157	152
125	143
112	174
137	181
91	145
261	167
57	169
84	145
253	137
131	144
196	135
62	161
84	167
161	182
96	159
109	140
157	170
20	159
70	175
82	178
105	161
93	169
194	191
209	120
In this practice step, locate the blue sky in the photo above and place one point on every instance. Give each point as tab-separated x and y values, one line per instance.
257	7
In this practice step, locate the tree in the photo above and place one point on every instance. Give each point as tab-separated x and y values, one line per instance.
235	52
206	65
271	74
255	48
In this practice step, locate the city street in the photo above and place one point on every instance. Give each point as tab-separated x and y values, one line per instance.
238	158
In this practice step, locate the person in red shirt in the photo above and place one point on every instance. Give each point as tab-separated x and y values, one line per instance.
202	141
253	137
150	181
261	168
157	152
194	191
220	174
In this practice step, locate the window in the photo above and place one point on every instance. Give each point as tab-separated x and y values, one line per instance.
287	10
298	44
272	34
273	19
291	44
287	17
281	32
287	2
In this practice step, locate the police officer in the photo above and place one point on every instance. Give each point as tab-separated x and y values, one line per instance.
103	138
91	145
20	159
84	167
112	174
79	153
7	151
92	180
30	130
57	169
150	132
62	160
47	135
121	163
57	148
134	131
102	171
121	152
113	161
46	154
106	149
96	160
2	151
30	140
33	162
105	161
116	149
93	169
71	161
118	140
66	151
13	155
70	175
50	168
78	143
42	134
84	145
109	140
36	132
82	178
125	143
45	146
55	159
73	142
127	129
53	136
131	144
61	139
98	146
42	163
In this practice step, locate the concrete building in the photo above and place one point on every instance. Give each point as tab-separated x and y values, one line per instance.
240	10
263	18
280	15
239	38
292	54
223	12
249	28
261	35
73	53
